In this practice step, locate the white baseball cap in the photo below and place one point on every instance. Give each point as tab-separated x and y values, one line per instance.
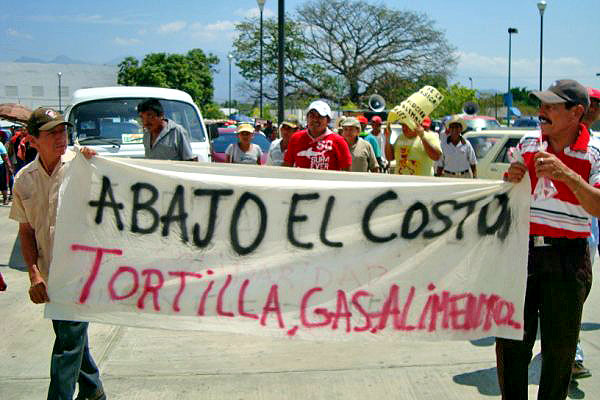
321	107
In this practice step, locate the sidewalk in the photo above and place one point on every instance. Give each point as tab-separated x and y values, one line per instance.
156	364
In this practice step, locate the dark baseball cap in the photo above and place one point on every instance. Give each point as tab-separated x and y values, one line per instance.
44	119
562	91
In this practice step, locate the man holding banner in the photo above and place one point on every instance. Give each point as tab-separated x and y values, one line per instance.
35	207
565	182
318	147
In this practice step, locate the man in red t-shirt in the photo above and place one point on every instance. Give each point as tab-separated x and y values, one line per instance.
318	147
559	272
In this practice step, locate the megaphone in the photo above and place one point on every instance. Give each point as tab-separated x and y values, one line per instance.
376	103
470	108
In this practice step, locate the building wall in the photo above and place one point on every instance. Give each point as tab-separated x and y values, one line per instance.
36	85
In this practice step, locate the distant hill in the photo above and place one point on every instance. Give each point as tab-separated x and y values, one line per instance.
62	59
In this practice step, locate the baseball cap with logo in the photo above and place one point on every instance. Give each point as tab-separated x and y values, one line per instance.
44	119
376	120
351	121
321	107
562	91
363	120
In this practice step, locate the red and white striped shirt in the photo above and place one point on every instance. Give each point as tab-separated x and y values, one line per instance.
562	215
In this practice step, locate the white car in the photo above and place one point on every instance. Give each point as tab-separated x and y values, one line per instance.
106	119
492	149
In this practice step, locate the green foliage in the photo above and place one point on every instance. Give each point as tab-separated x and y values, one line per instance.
521	96
191	72
454	98
341	49
212	111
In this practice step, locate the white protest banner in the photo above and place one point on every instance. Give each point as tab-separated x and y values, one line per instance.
289	252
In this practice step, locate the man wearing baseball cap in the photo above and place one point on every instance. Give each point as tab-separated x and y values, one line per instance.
579	371
559	274
593	113
34	207
368	137
363	156
279	146
317	147
377	133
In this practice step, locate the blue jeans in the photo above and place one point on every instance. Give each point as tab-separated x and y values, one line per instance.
72	362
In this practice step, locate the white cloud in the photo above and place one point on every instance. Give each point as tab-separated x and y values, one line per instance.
216	30
17	34
524	71
87	19
127	41
172	27
142	31
253	12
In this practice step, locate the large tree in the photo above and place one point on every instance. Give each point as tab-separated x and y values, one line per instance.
191	72
340	50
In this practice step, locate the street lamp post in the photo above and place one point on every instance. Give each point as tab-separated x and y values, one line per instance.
261	6
230	56
471	80
280	59
509	104
541	5
59	92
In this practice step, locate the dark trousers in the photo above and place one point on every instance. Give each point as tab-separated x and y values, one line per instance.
559	280
72	362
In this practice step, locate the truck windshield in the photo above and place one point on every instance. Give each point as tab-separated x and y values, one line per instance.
116	121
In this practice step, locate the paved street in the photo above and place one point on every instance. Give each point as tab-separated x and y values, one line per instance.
156	364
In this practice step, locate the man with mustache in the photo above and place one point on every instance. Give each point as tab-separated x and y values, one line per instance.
559	274
34	207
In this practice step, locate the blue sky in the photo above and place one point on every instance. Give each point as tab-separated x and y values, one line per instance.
99	32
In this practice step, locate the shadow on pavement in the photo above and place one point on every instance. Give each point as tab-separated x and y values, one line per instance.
590	326
484	342
16	260
486	380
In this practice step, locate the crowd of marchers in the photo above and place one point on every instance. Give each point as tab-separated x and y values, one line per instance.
563	156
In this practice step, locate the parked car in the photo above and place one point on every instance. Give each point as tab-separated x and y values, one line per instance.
527	122
106	119
491	149
479	123
227	136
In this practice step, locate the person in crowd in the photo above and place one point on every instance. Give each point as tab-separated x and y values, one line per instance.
258	129
593	114
458	157
34	207
559	273
363	156
6	170
244	151
377	133
19	148
579	371
269	132
279	146
163	138
318	147
415	151
368	137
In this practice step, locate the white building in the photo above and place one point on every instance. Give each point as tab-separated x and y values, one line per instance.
37	85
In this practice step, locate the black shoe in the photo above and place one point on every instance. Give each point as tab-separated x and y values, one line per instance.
98	395
578	371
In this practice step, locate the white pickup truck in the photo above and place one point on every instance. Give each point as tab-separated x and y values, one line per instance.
106	119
